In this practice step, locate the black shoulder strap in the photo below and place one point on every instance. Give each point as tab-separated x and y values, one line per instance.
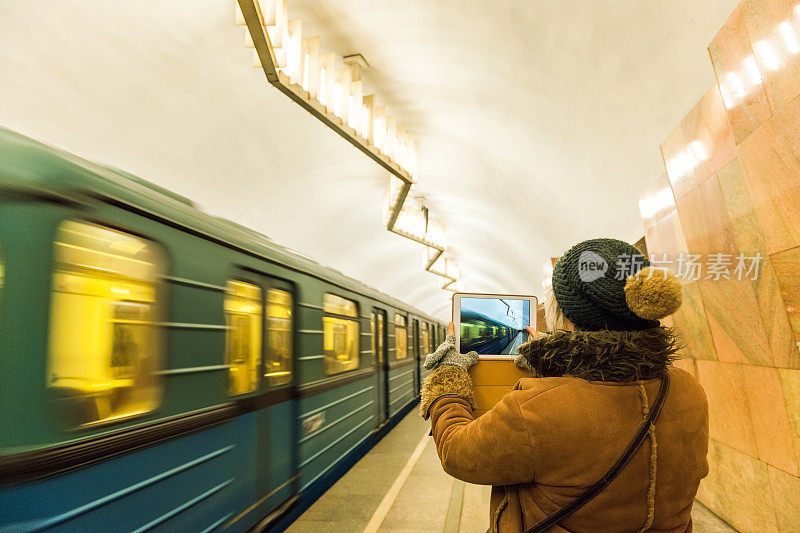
606	480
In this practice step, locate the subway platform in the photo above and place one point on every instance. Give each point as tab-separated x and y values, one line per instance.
399	486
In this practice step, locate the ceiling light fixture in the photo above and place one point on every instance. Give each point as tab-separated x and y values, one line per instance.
286	57
296	67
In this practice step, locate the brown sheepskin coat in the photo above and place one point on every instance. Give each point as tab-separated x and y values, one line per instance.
550	438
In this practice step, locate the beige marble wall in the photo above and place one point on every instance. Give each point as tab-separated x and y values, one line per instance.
732	186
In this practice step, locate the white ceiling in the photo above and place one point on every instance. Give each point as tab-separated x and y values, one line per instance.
538	122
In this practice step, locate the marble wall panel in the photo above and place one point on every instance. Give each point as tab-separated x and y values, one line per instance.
686	365
773	27
731	307
749	240
708	124
729	419
701	144
739	77
734	166
771	160
790	383
787	272
771	427
786	499
681	176
656	201
666	237
738	489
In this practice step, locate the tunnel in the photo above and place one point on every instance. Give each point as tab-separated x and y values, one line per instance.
424	266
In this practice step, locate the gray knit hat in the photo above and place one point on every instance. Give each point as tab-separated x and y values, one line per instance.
607	284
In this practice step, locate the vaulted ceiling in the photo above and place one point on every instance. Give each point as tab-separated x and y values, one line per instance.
538	121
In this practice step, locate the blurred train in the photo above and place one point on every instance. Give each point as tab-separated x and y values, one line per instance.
161	368
485	335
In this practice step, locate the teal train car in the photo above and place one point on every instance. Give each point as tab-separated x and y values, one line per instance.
163	369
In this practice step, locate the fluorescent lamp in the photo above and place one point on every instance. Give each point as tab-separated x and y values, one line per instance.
323	86
304	81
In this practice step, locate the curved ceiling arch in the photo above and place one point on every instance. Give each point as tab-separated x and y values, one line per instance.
538	122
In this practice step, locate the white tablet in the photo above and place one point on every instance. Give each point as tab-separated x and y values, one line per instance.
492	324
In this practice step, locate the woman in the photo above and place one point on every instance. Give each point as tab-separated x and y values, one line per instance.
596	378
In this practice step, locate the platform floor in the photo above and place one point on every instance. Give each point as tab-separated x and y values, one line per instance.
399	486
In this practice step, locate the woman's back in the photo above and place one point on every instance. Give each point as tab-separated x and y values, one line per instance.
546	442
551	438
579	429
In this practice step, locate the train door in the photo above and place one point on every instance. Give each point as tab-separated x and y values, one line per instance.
276	452
415	350
378	319
425	349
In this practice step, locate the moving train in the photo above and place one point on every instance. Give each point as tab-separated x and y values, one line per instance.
482	333
161	368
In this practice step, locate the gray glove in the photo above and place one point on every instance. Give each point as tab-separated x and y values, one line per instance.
446	354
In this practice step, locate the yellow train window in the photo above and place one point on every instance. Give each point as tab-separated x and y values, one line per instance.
340	326
372	333
376	323
400	337
425	346
105	343
279	337
243	315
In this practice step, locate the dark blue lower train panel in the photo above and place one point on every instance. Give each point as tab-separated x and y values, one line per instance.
402	388
332	423
191	483
224	478
326	479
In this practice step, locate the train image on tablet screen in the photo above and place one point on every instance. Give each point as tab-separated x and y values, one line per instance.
493	326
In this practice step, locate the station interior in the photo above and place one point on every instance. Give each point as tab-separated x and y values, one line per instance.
231	232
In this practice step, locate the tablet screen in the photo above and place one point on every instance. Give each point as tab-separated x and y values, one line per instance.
494	326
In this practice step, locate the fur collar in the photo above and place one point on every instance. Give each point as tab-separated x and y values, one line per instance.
602	355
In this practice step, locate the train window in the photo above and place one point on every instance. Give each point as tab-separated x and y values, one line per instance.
400	337
378	334
243	340
341	332
425	346
372	326
104	340
279	337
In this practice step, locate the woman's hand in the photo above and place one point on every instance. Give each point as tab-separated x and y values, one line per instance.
446	354
520	359
532	333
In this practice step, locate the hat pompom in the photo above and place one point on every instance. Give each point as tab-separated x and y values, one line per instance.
653	293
